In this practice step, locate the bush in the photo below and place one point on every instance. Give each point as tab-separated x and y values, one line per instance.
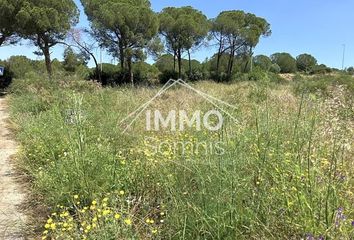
166	75
321	84
263	62
257	74
195	75
276	78
145	73
285	61
305	62
107	74
275	68
113	75
20	65
72	61
223	77
122	77
320	69
350	70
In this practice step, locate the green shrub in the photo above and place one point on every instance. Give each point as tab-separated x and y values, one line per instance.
223	77
195	75
257	74
305	62
320	69
285	61
73	61
321	84
165	76
146	73
263	62
21	65
276	78
113	75
274	68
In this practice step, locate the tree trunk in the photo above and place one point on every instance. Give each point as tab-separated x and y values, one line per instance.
179	56
218	58
2	40
190	63
121	55
48	62
229	65
232	63
98	70
218	64
251	59
174	61
130	70
249	62
231	59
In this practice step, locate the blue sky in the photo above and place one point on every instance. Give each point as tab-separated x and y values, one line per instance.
303	26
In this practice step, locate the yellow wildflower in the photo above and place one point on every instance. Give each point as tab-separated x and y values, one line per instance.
150	221
52	226
128	221
106	212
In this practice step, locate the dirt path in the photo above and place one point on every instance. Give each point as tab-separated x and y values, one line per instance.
11	196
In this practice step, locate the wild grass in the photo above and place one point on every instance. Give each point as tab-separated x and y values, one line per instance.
287	171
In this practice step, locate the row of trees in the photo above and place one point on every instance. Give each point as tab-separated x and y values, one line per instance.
144	73
130	30
285	63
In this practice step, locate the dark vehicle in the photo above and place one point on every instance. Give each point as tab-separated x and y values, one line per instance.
5	77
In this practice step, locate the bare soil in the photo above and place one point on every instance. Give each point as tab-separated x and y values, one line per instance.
12	220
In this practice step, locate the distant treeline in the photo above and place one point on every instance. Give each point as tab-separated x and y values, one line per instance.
130	31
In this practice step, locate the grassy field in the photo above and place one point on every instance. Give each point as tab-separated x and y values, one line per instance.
286	172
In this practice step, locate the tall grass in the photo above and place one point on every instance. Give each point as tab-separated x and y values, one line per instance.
286	172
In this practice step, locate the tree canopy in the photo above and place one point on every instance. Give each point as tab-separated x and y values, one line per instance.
73	60
123	27
263	62
285	61
305	62
46	23
8	23
236	33
183	28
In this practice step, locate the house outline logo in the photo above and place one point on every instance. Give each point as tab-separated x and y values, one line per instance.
169	84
